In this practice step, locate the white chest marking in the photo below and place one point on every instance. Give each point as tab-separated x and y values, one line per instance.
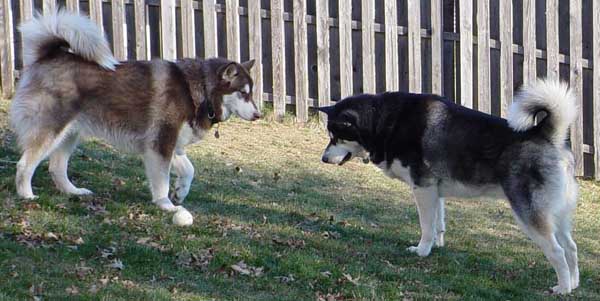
397	171
188	135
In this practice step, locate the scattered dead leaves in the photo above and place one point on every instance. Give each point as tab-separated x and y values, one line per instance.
199	260
243	269
292	243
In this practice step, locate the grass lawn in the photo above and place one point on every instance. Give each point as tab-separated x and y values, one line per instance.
271	223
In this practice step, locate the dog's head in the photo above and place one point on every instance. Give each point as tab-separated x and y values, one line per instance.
235	85
347	123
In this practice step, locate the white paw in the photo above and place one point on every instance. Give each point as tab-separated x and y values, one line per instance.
558	290
439	240
165	204
82	191
182	217
30	197
574	283
423	252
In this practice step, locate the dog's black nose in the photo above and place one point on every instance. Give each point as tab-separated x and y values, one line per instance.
325	159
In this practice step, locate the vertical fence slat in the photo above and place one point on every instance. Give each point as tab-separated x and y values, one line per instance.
167	30
7	57
48	6
323	66
73	5
232	17
576	81
119	29
483	57
209	16
552	39
26	10
368	46
345	30
437	43
391	45
255	47
466	53
278	54
414	46
506	56
95	7
596	87
529	45
301	60
188	29
141	51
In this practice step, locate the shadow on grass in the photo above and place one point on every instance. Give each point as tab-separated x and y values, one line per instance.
353	240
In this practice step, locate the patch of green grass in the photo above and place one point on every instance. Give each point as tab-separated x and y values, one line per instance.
261	196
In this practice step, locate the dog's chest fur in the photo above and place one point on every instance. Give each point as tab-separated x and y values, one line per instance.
188	135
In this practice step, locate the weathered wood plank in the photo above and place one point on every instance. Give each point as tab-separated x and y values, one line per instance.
278	54
168	47
437	44
529	45
345	30
414	46
576	81
188	29
119	30
466	53
301	60
232	18
506	56
7	51
209	15
255	47
141	50
552	40
323	66
95	7
368	46
484	102
73	5
391	45
596	85
26	10
48	6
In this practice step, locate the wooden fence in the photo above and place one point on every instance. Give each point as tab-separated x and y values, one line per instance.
310	52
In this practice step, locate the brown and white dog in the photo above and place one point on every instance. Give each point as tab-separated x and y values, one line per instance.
72	86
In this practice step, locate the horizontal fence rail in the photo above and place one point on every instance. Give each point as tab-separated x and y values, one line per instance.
313	52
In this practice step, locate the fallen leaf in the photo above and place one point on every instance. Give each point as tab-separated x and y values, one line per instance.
326	274
244	269
116	264
349	278
286	279
72	290
82	271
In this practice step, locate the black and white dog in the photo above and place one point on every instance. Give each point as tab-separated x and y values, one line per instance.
443	150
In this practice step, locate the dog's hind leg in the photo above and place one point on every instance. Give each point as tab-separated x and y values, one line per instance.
35	150
564	238
59	161
184	170
428	203
440	226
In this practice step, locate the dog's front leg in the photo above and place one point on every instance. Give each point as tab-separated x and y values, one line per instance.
184	170
428	203
157	170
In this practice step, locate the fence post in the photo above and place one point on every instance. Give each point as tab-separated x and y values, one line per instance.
48	6
73	5
466	53
323	66
596	86
232	17
576	81
167	30
255	47
345	30
301	60
26	10
278	53
529	45
437	46
141	52
119	30
209	15
368	46
552	39
7	54
391	45
414	46
506	56
483	57
188	29
95	7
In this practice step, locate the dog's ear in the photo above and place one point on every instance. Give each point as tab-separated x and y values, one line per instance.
228	72
327	110
248	64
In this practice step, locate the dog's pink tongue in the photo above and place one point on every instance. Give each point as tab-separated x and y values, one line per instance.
166	205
